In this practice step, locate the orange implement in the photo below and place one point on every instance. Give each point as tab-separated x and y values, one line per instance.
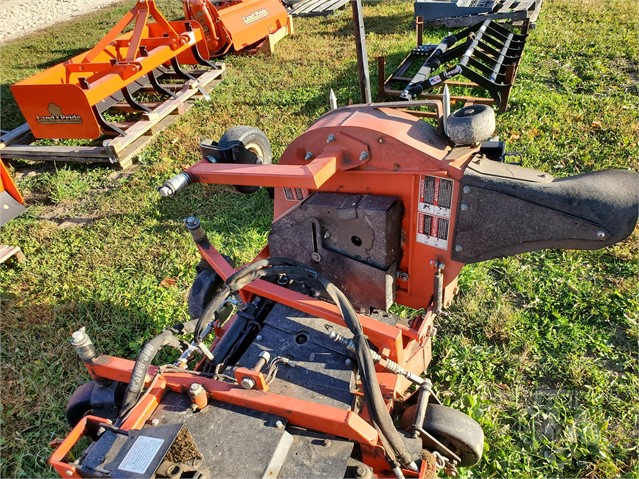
11	201
236	25
66	101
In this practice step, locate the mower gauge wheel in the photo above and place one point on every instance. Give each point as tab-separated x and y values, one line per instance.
457	431
471	125
254	140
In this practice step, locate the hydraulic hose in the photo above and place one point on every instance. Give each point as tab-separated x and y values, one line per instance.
144	360
373	397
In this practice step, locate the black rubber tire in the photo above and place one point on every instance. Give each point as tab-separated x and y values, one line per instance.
457	431
471	125
253	139
79	404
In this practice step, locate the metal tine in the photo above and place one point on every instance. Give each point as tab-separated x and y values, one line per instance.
133	102
105	125
183	74
196	51
179	71
157	87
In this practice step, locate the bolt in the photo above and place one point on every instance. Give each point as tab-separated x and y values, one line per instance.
258	337
279	424
466	189
68	472
380	140
326	442
282	280
601	234
308	156
360	471
348	362
315	256
330	138
458	247
248	383
155	422
195	387
403	276
363	156
101	459
327	235
464	207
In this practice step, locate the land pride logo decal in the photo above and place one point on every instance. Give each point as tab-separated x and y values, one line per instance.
56	116
255	16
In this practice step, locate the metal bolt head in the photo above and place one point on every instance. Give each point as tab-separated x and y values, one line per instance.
195	387
315	256
403	276
363	156
258	337
380	140
68	472
348	362
155	422
458	247
326	442
279	424
327	235
308	156
248	383
330	138
466	189
464	207
360	471
601	234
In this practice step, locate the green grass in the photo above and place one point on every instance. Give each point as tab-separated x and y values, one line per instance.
541	349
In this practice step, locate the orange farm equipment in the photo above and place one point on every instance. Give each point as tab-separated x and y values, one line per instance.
69	99
11	201
294	366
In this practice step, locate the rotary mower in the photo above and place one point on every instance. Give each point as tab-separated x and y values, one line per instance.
293	365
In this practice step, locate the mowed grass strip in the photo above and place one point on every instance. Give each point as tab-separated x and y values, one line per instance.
540	349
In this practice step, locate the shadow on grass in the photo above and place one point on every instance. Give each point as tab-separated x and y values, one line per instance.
37	382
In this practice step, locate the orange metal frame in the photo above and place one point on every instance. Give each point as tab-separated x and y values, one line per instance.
58	102
399	151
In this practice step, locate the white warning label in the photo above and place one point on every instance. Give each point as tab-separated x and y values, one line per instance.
435	195
295	194
434	207
141	454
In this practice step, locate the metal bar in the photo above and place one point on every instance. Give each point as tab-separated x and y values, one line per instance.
501	58
312	176
362	54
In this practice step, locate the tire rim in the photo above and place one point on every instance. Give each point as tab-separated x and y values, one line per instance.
256	150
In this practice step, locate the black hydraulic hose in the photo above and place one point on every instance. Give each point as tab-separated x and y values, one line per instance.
373	397
144	359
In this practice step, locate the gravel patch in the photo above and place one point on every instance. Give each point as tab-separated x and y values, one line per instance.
21	17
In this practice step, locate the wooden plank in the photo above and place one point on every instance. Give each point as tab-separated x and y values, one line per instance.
119	150
309	8
7	252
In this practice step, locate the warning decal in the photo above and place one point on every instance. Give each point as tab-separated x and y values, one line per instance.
141	454
434	206
295	194
435	195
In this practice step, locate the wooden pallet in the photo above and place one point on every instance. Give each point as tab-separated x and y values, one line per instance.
120	150
313	8
7	252
514	11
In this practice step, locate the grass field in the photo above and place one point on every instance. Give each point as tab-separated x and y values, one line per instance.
541	349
